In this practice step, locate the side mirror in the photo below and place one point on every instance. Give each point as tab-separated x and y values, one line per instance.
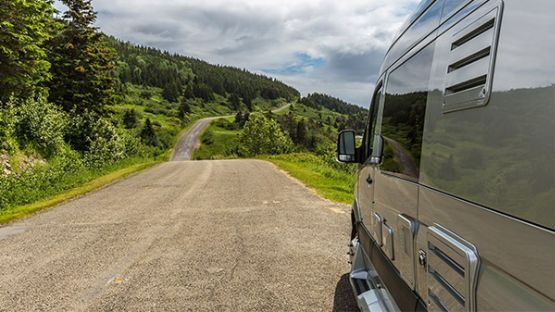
346	147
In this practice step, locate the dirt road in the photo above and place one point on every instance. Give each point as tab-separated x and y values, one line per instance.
182	236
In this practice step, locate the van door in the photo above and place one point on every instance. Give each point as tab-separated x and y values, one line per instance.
396	178
365	183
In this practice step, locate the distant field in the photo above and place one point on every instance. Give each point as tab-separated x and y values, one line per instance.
217	143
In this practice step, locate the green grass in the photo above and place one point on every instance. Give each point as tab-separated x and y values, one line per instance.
217	142
87	180
314	172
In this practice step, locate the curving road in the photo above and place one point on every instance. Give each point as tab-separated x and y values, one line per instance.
234	235
189	142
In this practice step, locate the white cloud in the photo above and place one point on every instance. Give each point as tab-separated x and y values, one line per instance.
350	37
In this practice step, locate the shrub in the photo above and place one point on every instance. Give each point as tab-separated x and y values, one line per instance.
7	129
263	136
97	138
41	125
107	144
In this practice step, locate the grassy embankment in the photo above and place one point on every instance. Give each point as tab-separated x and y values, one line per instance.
68	186
313	171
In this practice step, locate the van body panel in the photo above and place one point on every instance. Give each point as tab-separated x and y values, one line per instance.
461	204
507	248
499	155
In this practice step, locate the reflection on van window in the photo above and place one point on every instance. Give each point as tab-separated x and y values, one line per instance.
403	115
421	28
449	7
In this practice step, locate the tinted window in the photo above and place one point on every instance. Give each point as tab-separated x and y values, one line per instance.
373	120
423	26
403	115
450	6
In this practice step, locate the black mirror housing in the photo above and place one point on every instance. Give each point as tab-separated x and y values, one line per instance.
346	147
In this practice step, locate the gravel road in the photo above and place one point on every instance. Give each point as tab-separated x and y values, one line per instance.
233	235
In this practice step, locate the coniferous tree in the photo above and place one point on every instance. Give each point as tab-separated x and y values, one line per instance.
148	136
130	118
300	137
235	102
83	66
171	92
25	27
184	108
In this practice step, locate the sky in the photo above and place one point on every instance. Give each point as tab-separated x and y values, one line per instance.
327	46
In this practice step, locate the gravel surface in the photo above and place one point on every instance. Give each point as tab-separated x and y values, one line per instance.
183	236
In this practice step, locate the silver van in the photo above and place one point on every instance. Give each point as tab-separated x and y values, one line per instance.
455	200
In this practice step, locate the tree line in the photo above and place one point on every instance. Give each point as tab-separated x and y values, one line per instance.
193	78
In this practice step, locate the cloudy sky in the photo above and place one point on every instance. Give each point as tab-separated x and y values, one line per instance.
328	46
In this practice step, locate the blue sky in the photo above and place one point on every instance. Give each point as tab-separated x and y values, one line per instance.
327	46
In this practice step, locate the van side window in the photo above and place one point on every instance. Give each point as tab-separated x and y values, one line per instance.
373	120
403	115
450	7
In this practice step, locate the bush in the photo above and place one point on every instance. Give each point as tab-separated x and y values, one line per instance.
263	136
98	139
41	125
107	144
7	129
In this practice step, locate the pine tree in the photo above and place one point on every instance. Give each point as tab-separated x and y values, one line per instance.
148	136
171	92
83	66
300	135
235	102
184	108
130	118
25	27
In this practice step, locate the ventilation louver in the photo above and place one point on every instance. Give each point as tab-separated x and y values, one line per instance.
452	271
470	63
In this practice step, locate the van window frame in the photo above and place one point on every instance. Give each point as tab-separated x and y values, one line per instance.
373	115
407	57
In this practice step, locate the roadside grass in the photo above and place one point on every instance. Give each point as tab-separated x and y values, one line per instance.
217	142
314	172
75	184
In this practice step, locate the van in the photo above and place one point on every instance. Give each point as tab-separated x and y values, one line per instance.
455	199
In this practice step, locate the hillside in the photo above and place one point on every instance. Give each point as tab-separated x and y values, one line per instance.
79	105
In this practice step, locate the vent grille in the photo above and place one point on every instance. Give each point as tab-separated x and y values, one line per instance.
470	62
452	268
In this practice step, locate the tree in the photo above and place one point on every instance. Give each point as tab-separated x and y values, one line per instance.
130	118
300	134
83	66
171	92
235	102
184	108
203	91
263	136
148	136
248	103
25	27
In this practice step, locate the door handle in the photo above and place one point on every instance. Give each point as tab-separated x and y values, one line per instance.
369	180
